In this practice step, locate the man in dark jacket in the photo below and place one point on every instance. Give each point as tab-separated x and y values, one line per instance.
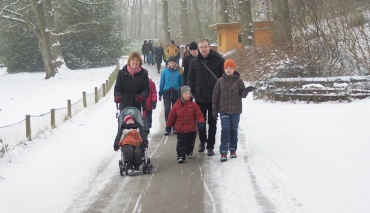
204	71
145	50
193	52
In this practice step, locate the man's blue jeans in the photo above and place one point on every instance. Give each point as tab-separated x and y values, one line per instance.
229	132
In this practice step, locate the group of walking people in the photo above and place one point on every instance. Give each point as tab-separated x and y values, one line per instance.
208	86
155	54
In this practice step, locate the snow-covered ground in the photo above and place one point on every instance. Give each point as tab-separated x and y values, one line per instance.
295	157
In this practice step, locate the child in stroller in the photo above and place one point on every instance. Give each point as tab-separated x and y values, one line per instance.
132	140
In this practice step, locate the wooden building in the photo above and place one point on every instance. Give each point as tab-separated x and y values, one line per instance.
229	35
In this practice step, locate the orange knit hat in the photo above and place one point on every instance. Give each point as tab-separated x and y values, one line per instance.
230	63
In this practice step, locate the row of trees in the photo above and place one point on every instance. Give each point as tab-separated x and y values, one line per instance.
44	35
90	33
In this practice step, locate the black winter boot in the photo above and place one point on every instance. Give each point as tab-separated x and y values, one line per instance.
202	147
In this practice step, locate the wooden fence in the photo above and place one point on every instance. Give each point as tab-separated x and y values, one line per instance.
33	126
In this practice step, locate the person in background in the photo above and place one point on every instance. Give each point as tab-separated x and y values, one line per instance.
171	80
193	52
186	52
132	83
151	104
159	56
151	50
204	71
172	50
185	115
144	50
227	100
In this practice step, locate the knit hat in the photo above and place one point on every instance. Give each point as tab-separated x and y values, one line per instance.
230	63
172	58
128	117
193	46
184	89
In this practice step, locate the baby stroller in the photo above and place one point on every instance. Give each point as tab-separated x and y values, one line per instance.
147	166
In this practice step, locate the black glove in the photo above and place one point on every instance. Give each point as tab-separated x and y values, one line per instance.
116	147
201	126
154	104
250	89
168	131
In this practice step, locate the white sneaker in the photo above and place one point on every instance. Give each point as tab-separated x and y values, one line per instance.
180	160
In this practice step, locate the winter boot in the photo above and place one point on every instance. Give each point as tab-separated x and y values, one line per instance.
233	154
180	160
190	154
202	147
137	168
130	168
223	157
210	152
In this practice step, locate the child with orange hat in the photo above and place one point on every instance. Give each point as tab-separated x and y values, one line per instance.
227	100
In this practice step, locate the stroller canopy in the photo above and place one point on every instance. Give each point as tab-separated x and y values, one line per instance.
134	112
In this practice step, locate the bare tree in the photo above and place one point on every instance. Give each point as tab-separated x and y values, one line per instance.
155	19
246	23
199	32
43	27
184	21
224	10
166	24
282	26
140	18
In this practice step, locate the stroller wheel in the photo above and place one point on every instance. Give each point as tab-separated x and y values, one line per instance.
145	168
150	168
121	167
125	169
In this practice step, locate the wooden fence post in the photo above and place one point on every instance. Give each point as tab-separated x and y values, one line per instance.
104	91
52	117
69	106
96	95
84	99
28	127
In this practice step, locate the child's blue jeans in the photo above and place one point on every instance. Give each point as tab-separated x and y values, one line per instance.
229	132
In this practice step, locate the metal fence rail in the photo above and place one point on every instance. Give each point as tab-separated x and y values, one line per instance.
33	126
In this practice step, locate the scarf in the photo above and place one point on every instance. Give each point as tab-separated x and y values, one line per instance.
133	71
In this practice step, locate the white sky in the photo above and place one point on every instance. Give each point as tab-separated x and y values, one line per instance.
291	157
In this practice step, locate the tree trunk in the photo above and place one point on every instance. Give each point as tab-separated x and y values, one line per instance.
184	21
133	23
166	24
197	20
246	23
44	36
155	19
231	10
282	26
224	10
139	18
50	24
